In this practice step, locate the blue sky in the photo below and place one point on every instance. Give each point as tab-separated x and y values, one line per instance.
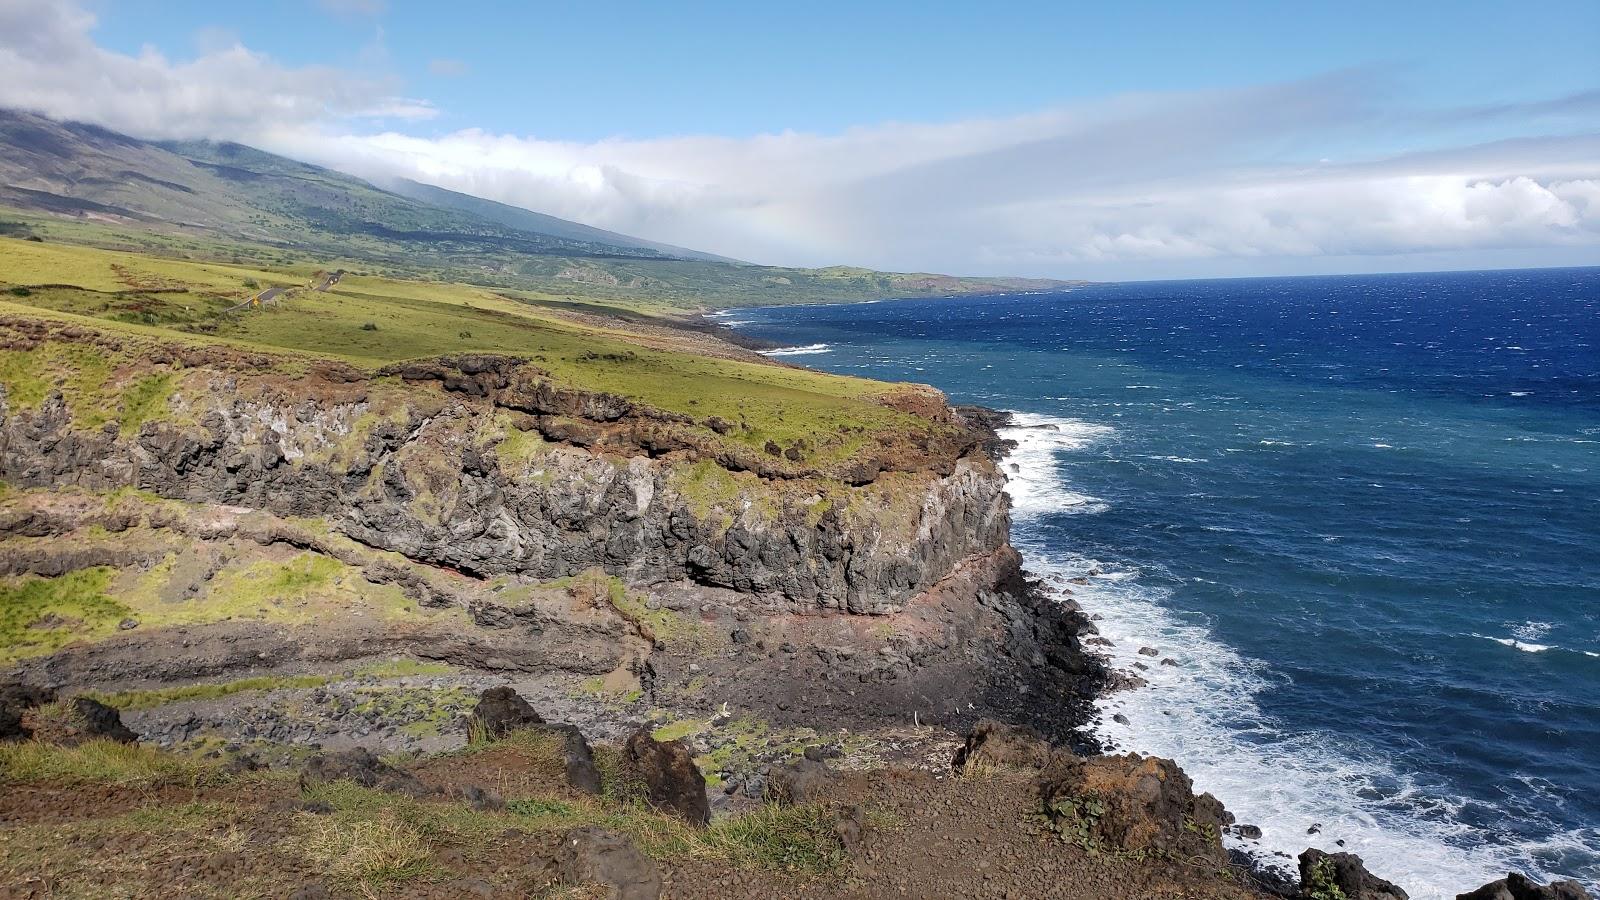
1099	140
585	71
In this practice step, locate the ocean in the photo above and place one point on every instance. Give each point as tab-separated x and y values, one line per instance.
1360	513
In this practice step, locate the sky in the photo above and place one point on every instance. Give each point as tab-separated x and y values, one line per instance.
1073	140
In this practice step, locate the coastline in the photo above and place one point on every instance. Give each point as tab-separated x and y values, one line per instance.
1350	797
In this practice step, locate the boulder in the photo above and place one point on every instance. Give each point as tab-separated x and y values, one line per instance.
1132	803
1516	886
16	698
576	757
801	781
1322	873
993	744
500	711
672	781
593	856
361	767
76	721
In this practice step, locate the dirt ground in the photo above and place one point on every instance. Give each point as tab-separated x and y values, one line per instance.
926	835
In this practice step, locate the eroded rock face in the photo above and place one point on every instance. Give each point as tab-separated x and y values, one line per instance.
1320	873
425	472
1133	803
672	781
1516	886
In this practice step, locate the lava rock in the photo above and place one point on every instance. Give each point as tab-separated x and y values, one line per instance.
1517	886
77	721
16	698
361	767
500	711
998	745
1133	803
1345	872
673	783
576	757
592	855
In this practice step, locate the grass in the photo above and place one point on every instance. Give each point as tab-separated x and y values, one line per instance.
41	615
836	416
129	701
368	842
99	762
146	398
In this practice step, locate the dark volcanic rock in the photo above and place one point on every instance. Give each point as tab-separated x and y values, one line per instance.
76	721
500	711
592	855
16	698
672	781
998	745
1132	803
614	507
576	757
1345	872
1516	886
363	768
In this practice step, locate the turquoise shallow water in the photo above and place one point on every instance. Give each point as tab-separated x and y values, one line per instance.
1361	513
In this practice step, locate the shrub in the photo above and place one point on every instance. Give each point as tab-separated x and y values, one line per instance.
369	326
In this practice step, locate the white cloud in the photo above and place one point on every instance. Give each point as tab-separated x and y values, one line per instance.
1272	178
52	65
1109	188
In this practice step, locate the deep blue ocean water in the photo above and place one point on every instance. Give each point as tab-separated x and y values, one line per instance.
1361	513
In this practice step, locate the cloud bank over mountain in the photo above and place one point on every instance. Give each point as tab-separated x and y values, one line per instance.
1325	174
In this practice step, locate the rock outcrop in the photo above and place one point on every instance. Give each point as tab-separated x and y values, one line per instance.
442	473
16	699
996	745
1134	803
672	781
1321	874
499	712
361	767
77	721
1516	886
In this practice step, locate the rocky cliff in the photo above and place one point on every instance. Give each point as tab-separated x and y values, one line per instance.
481	465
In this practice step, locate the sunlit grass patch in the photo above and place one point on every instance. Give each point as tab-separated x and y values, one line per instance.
99	762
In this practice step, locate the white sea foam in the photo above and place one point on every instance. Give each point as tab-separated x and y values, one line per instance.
1203	713
807	350
1515	644
1034	484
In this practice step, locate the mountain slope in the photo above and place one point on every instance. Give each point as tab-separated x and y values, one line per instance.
227	202
247	194
527	220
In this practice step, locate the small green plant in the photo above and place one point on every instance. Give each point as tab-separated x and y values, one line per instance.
21	292
369	326
1076	820
1320	883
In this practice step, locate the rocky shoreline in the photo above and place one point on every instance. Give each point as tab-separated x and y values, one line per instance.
304	572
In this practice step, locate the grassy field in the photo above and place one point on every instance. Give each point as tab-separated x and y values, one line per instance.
371	321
